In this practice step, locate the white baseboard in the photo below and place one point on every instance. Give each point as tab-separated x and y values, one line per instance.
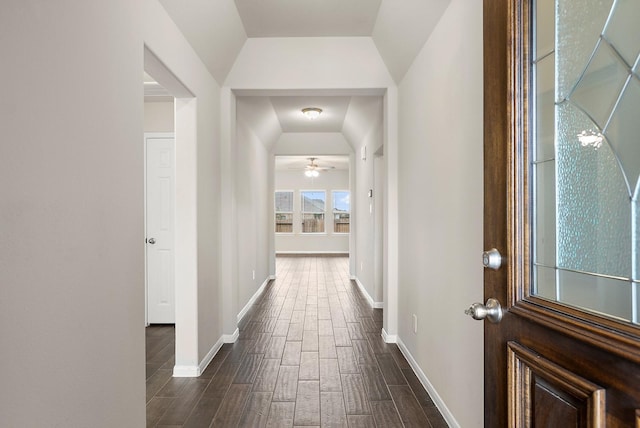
389	338
375	305
186	371
212	353
284	253
231	338
437	400
253	299
195	371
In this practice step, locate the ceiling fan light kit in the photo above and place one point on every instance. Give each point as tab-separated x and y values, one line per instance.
312	112
312	170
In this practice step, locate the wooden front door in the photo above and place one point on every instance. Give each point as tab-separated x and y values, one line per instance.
562	159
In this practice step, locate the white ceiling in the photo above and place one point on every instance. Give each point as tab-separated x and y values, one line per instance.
218	29
294	18
295	163
289	112
270	116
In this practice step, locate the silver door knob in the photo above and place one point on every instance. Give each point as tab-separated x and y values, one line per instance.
492	259
151	241
492	310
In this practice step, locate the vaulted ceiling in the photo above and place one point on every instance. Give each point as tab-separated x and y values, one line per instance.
218	29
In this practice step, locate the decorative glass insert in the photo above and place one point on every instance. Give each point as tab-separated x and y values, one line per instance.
585	169
284	211
341	211
313	211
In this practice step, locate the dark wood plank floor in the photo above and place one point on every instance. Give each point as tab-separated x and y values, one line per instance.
309	354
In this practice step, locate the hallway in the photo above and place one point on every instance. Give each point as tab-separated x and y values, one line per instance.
309	354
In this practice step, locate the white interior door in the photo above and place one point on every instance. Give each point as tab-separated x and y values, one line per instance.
160	197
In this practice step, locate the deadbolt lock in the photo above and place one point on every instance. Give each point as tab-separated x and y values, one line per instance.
492	259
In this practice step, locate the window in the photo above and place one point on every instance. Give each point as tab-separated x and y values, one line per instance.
284	211
341	210
313	203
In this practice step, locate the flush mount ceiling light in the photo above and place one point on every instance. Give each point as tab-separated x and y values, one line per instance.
311	112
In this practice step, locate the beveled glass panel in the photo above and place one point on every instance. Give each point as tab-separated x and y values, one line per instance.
623	132
598	90
545	122
623	29
585	155
598	294
545	213
593	212
579	24
546	27
545	278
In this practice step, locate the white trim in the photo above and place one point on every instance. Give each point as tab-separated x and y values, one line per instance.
186	371
253	299
365	293
313	252
209	357
442	407
195	371
389	338
231	338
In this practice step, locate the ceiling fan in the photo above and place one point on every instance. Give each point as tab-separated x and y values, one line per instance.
312	169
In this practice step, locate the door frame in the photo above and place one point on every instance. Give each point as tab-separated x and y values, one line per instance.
510	147
147	136
188	362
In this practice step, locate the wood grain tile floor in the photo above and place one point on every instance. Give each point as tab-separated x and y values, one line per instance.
309	354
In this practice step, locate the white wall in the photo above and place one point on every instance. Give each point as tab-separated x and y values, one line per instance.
441	209
297	242
71	208
364	218
253	202
316	143
158	116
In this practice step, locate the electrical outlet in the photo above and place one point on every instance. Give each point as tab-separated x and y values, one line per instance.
415	323
253	274
361	266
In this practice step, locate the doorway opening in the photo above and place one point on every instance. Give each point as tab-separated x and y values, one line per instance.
312	205
172	249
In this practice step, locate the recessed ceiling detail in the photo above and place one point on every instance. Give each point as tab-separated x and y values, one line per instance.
286	18
218	30
289	112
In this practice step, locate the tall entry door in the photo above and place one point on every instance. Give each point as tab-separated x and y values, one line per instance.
562	167
159	208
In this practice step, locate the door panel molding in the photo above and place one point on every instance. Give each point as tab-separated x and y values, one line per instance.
540	390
